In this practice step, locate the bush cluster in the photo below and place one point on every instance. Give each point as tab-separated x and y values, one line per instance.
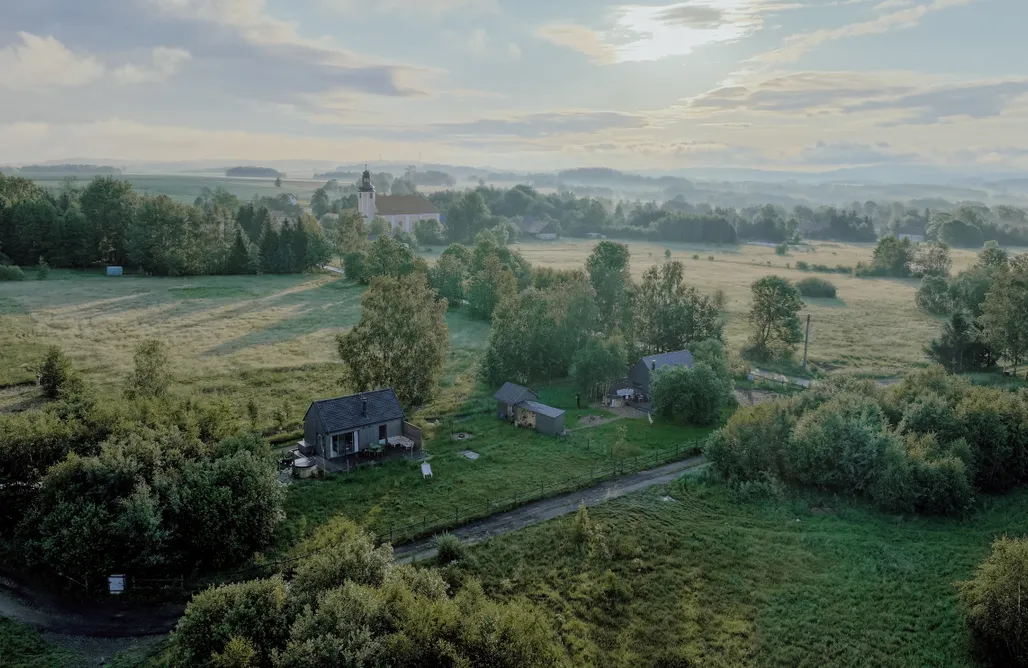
824	268
816	288
11	273
926	445
351	605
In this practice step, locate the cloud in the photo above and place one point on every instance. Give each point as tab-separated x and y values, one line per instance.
906	15
545	124
417	7
44	61
637	33
166	62
579	38
982	99
478	43
806	92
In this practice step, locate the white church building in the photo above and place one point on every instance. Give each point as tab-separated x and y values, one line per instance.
402	211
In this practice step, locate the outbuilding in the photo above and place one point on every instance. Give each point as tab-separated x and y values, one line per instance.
520	406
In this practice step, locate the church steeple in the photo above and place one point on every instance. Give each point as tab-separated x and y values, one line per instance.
366	185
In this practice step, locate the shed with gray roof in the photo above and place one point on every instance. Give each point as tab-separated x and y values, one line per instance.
520	406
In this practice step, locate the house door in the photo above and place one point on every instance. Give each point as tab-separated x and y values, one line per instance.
344	444
382	433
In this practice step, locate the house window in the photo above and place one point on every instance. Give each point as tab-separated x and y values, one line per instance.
382	433
344	444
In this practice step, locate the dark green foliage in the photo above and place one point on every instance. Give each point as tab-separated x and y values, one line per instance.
429	232
960	348
11	273
774	318
42	270
401	340
696	396
242	256
355	265
816	288
152	373
54	372
362	609
993	605
892	257
611	278
489	287
597	364
536	333
933	295
926	445
389	257
670	315
450	550
153	501
254	611
782	249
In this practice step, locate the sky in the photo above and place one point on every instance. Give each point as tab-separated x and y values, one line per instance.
519	84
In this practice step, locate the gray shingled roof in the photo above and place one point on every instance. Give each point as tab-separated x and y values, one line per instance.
346	413
541	409
404	205
679	358
512	393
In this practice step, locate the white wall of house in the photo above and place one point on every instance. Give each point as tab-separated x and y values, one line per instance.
406	221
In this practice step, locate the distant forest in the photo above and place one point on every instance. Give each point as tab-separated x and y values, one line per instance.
254	172
68	169
108	223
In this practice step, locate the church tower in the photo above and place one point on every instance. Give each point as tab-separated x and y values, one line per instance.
366	196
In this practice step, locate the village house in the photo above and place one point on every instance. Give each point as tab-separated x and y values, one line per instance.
343	429
641	374
402	211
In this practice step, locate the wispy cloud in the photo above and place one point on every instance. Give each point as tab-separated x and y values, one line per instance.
898	16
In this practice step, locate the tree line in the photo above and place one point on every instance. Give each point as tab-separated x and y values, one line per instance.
107	223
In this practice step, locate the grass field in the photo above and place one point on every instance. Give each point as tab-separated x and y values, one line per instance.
707	576
187	187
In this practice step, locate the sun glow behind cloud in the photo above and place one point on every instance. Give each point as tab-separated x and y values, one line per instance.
647	33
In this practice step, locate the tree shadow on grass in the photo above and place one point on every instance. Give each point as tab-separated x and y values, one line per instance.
826	302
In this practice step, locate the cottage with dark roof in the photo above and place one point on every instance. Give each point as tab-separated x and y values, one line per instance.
520	406
344	427
641	375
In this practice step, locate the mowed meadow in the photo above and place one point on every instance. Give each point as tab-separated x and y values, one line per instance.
272	338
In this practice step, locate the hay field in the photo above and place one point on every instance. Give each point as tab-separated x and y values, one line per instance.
271	338
872	327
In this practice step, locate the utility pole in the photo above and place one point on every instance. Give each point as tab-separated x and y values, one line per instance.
806	342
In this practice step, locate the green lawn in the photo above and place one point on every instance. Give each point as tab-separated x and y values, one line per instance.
706	575
394	495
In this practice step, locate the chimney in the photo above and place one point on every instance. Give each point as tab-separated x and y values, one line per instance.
364	406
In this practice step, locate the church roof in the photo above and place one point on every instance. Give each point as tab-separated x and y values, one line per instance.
404	205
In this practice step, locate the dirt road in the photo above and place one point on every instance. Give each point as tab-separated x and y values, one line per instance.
547	509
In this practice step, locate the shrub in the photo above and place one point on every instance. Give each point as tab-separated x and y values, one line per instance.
355	266
782	249
922	478
840	445
802	266
42	270
992	601
11	273
816	288
933	295
696	257
753	443
54	372
692	396
449	549
710	257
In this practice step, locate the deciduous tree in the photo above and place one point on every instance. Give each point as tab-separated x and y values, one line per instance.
670	314
401	340
1004	316
774	317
